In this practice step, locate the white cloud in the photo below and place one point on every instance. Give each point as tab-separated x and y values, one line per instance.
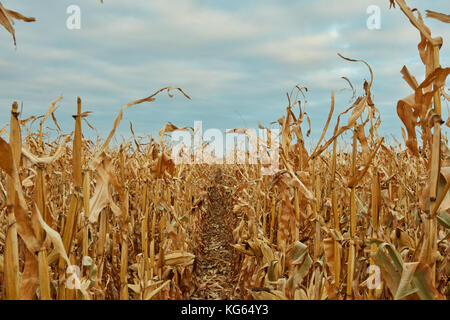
180	21
300	49
204	23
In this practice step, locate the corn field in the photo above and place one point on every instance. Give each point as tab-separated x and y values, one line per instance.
88	220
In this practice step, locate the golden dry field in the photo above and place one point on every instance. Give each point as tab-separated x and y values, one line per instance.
89	220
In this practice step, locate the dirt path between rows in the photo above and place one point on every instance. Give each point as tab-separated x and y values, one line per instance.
214	261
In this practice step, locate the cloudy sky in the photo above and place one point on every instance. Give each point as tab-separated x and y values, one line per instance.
236	59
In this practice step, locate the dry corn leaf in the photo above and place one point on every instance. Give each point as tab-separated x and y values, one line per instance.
404	288
423	282
53	235
24	227
405	111
416	22
178	258
151	294
438	16
7	20
102	196
48	159
133	103
50	111
409	78
268	295
169	127
30	276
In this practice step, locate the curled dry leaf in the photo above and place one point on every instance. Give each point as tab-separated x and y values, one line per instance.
169	127
102	195
53	235
50	111
133	103
7	20
49	159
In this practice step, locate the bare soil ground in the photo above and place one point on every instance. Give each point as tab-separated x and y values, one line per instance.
214	261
